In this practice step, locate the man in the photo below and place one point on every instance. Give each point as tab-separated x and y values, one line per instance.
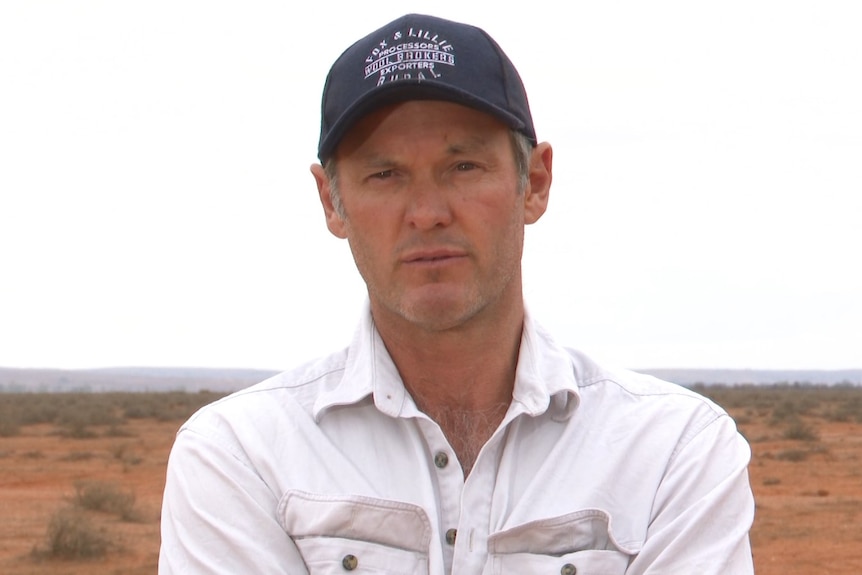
453	435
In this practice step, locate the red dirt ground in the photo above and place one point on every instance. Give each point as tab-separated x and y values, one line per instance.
808	493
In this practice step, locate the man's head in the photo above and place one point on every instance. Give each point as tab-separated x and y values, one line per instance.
418	57
436	173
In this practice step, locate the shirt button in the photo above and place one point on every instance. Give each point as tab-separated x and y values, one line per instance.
350	562
568	569
450	536
441	460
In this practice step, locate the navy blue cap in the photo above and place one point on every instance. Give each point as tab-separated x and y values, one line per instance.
419	57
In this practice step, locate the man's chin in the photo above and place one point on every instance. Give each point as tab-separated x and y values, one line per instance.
440	309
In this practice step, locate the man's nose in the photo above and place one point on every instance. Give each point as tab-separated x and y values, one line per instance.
428	206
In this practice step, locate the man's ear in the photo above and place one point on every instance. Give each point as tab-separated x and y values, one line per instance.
539	183
334	221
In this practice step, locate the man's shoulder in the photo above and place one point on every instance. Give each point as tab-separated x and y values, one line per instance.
607	380
656	411
603	385
287	392
307	375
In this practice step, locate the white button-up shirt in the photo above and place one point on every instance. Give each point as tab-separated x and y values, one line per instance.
331	468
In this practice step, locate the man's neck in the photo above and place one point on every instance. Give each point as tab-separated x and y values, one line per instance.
461	378
471	367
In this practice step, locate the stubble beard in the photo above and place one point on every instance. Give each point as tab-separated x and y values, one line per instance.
436	307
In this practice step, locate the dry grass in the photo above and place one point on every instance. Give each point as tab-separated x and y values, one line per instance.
72	535
107	497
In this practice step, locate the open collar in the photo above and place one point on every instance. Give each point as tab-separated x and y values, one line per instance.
545	377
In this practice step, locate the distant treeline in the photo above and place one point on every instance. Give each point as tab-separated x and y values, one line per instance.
13	380
691	377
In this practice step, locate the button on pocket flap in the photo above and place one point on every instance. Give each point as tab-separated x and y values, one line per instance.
578	563
390	523
588	529
334	555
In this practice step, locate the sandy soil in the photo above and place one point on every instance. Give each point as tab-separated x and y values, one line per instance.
808	493
38	474
809	512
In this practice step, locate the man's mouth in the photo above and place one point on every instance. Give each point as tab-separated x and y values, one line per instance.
432	255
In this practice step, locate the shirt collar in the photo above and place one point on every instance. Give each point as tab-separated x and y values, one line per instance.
368	371
544	379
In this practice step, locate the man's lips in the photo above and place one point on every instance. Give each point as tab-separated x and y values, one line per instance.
432	255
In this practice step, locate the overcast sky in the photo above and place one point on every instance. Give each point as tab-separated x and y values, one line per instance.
156	207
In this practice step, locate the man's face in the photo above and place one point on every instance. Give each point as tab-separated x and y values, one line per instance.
433	212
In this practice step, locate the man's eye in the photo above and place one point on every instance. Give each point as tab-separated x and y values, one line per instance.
465	166
381	175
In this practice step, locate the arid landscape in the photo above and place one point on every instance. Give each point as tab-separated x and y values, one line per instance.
81	477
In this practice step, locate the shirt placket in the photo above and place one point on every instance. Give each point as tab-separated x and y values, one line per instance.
450	485
471	548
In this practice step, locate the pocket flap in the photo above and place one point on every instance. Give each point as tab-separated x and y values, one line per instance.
390	523
588	529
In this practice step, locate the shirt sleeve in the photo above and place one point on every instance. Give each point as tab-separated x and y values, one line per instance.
219	516
703	510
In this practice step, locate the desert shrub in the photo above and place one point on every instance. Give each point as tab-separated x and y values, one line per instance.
106	497
794	455
71	535
77	456
9	426
94	409
172	406
77	430
87	413
783	399
10	422
124	453
787	409
118	431
798	430
788	401
26	408
853	407
119	450
757	398
131	460
849	409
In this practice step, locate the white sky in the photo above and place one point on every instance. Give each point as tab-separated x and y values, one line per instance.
156	206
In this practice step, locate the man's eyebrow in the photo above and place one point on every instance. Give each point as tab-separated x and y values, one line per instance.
374	160
472	144
377	161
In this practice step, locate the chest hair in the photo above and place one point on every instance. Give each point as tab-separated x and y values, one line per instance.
467	430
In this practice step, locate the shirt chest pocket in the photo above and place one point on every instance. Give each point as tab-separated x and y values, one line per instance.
579	543
357	535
